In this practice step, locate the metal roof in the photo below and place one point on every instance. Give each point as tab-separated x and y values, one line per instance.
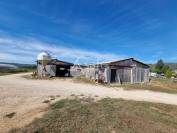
112	63
59	62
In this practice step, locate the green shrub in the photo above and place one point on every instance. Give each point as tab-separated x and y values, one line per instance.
168	73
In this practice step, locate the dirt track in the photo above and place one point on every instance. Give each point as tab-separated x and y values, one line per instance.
25	97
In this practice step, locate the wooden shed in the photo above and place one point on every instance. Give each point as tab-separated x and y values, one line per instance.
122	71
54	67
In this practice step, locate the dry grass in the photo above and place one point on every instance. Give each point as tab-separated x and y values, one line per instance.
30	77
3	74
104	116
156	84
7	71
83	79
81	95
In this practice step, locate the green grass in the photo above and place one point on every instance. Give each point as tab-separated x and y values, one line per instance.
104	116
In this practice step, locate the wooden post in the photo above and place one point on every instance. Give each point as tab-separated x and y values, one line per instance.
118	77
69	74
37	68
131	75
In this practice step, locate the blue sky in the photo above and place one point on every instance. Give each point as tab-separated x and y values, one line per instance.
88	31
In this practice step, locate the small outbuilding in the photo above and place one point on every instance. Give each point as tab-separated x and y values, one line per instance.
48	67
122	71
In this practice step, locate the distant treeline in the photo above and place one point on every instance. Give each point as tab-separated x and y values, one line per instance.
172	66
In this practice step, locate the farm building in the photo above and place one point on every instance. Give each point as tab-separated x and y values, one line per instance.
122	71
46	66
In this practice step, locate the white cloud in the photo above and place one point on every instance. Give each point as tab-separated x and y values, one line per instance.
13	58
5	56
26	49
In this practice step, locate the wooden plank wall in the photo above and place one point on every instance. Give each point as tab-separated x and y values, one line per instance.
140	74
124	75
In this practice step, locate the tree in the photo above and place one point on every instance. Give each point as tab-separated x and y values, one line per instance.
159	66
165	68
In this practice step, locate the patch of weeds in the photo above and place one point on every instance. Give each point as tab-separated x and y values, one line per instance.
96	96
52	96
72	95
10	115
84	110
46	101
84	80
81	95
58	96
58	105
88	100
52	99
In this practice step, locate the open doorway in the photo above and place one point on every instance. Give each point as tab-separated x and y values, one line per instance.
113	75
62	71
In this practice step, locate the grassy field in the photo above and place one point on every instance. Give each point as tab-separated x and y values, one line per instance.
4	71
104	116
156	84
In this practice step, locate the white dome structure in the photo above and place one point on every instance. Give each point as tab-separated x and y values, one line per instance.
44	56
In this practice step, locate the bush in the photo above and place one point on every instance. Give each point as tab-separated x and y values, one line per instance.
168	73
34	74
